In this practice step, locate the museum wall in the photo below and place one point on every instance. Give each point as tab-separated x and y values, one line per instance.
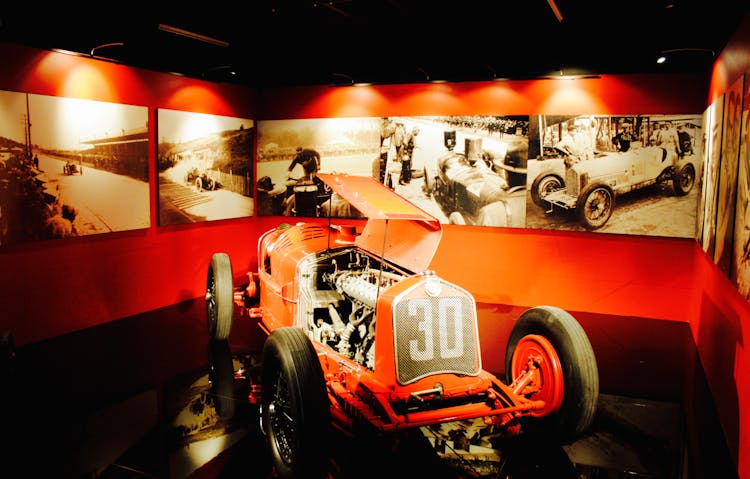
52	287
610	282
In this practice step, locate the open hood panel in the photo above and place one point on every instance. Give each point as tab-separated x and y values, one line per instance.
396	229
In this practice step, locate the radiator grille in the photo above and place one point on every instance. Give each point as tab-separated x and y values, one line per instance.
435	334
572	183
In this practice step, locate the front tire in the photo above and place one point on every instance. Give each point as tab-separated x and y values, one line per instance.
595	206
683	179
294	405
219	297
569	364
542	185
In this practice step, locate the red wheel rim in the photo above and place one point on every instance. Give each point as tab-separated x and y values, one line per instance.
536	354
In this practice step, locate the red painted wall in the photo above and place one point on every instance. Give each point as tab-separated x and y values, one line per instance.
611	282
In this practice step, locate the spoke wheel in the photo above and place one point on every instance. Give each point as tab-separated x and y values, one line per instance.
597	204
543	185
683	179
295	411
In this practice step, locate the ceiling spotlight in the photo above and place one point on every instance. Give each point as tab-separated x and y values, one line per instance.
663	57
342	79
105	45
215	72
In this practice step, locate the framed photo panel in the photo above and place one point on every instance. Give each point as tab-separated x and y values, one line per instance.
727	188
71	167
205	167
712	158
461	169
625	174
740	271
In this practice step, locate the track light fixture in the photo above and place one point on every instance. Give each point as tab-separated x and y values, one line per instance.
192	35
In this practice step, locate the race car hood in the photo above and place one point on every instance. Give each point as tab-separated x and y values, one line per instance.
614	162
396	229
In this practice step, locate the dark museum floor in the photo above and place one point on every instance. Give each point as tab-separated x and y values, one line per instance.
132	399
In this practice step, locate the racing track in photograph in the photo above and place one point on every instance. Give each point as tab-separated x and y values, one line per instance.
105	201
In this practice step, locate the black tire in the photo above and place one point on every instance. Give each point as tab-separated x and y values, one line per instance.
199	184
295	411
578	367
211	184
219	297
595	205
542	185
683	179
221	378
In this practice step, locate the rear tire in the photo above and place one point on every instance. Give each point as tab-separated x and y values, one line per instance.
683	179
219	297
577	365
295	410
221	377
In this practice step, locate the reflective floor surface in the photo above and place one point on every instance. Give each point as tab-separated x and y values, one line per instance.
151	397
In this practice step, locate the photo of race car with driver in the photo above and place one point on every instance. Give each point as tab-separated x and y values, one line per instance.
635	174
463	170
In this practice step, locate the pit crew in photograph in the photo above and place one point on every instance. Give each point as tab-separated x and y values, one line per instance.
406	155
622	140
387	131
669	138
685	141
309	159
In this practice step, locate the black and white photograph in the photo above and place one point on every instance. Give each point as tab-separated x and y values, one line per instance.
624	174
205	167
292	152
461	169
71	167
712	158
727	190
740	272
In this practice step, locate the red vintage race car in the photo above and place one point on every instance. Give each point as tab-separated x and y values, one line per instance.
362	336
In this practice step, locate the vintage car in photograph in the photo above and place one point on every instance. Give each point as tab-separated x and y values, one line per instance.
363	337
473	188
200	179
590	187
70	168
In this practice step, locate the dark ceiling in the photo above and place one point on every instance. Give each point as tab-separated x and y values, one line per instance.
285	42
